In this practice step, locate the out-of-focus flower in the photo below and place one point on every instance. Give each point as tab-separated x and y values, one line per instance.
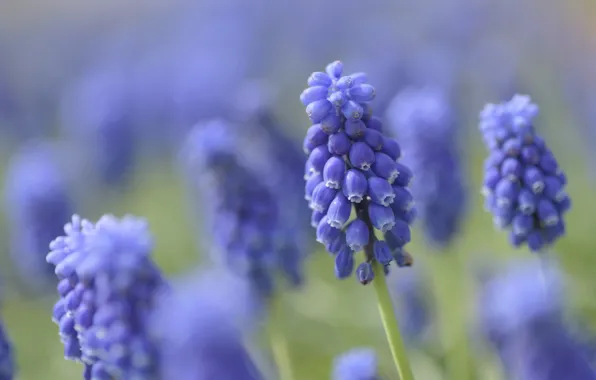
200	328
520	314
244	208
281	152
280	155
352	165
96	113
424	121
7	364
189	60
356	364
577	81
411	305
525	291
108	285
524	187
38	205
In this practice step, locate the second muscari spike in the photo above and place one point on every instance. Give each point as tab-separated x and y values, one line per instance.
524	187
425	122
353	166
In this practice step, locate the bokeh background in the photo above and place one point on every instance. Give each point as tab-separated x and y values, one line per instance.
162	66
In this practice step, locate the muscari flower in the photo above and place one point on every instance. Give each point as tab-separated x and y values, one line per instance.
577	82
411	305
7	365
38	204
425	123
353	166
520	314
192	49
524	187
97	114
243	207
108	286
200	328
256	105
356	364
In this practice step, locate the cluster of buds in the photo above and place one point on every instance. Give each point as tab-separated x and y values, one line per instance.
524	187
351	167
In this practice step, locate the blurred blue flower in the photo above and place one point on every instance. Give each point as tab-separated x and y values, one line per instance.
7	364
242	204
96	113
425	123
108	285
577	82
526	291
195	72
200	328
356	364
38	204
352	165
281	154
546	351
524	187
520	314
411	305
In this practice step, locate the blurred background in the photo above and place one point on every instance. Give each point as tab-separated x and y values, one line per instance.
97	97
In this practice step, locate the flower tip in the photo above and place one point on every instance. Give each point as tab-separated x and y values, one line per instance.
335	69
404	259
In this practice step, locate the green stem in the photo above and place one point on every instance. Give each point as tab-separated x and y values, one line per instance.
396	344
452	330
277	340
384	302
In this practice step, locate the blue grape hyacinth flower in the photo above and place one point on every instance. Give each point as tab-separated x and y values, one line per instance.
200	328
412	305
524	187
242	206
38	204
521	316
352	166
425	123
97	114
108	286
7	364
281	153
356	364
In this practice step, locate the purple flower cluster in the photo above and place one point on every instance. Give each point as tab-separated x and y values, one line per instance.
108	285
356	364
524	187
411	304
425	124
97	114
201	327
284	156
38	205
7	365
352	165
244	207
520	314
